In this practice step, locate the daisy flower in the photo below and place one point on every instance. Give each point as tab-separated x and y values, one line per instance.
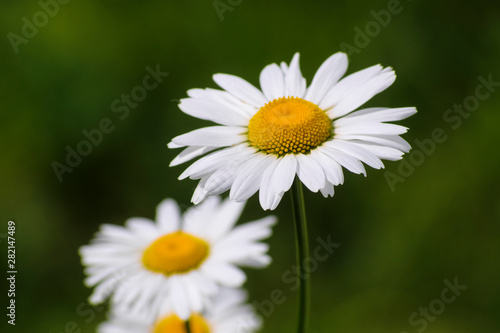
228	314
182	259
266	137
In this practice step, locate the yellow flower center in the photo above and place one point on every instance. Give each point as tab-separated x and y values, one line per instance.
173	324
177	252
289	125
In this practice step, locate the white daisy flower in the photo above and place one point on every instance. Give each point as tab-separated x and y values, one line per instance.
285	129
228	314
179	259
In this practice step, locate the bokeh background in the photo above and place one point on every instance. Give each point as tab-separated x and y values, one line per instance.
397	245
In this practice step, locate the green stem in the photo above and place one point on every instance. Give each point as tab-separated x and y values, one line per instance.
188	327
299	218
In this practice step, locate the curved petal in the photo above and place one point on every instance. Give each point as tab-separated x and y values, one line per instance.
357	151
224	219
226	274
248	181
310	173
266	192
355	89
326	77
284	174
179	298
370	129
328	190
347	161
189	153
295	84
331	168
216	160
377	115
241	89
213	136
386	153
393	141
224	98
272	82
213	111
168	216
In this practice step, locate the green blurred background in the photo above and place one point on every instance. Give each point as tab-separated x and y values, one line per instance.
397	247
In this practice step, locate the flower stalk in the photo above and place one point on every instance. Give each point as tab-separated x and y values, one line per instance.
188	327
302	248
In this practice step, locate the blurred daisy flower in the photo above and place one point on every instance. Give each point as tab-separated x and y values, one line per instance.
179	259
268	136
228	314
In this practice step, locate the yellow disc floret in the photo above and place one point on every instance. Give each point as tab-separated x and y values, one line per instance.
289	125
173	324
177	252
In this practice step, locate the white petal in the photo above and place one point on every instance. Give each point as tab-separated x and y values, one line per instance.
234	254
195	217
386	153
266	192
248	181
331	168
224	98
377	115
103	290
347	161
213	111
256	262
355	89
214	136
310	173
285	172
200	193
370	129
222	179
214	161
168	216
226	274
393	141
328	190
295	84
326	77
241	89
272	82
194	298
179	298
356	151
142	227
224	219
189	153
251	231
284	67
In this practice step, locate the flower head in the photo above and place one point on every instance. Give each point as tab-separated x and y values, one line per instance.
177	262
269	136
228	314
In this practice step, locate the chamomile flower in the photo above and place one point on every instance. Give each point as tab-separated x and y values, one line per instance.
266	137
228	314
180	260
